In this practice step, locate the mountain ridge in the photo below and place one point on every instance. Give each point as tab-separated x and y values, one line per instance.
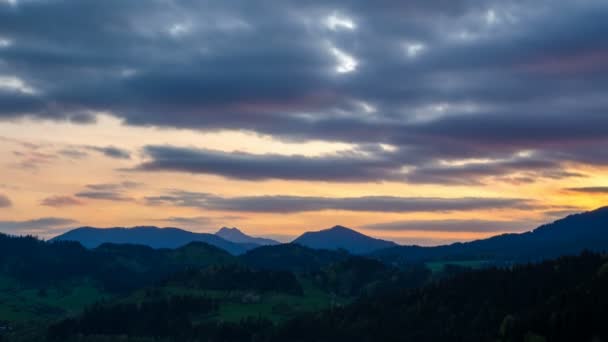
155	237
340	237
236	235
566	236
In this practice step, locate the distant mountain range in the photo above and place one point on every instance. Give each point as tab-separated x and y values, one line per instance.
570	235
567	236
230	239
340	237
235	235
154	237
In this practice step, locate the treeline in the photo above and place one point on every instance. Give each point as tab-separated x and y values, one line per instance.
561	300
171	316
358	276
116	268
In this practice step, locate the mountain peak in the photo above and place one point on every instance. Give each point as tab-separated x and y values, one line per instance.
339	227
340	237
232	230
151	236
235	235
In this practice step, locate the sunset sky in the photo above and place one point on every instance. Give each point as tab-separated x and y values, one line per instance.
421	121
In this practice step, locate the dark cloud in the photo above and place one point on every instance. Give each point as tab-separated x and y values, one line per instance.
439	80
104	195
109	191
112	152
43	225
590	190
294	204
477	226
61	201
367	164
201	220
188	221
5	202
125	185
73	153
354	167
474	172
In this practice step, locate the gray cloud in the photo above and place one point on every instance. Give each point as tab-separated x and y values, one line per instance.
5	202
188	221
477	226
294	204
109	191
73	153
125	185
112	152
590	190
270	68
474	172
337	167
43	225
369	163
60	201
104	195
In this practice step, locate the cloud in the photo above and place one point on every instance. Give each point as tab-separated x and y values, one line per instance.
5	202
73	153
294	204
528	168
103	195
109	191
477	226
367	163
44	226
271	68
60	201
112	152
345	167
114	186
188	221
590	190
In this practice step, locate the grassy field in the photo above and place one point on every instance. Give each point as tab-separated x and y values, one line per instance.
20	304
439	266
237	305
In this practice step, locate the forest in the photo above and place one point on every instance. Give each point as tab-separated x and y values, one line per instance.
201	293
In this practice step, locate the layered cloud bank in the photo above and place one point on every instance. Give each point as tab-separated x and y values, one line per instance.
455	104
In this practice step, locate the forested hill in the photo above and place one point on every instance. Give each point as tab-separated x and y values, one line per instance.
560	300
567	236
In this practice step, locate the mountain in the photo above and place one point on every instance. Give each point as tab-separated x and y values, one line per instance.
150	236
567	236
340	237
235	235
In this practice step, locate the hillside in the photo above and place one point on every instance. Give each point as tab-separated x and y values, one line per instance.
290	257
567	236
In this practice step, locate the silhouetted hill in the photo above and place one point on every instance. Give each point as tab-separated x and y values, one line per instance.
340	237
558	300
113	267
150	236
235	235
567	236
291	257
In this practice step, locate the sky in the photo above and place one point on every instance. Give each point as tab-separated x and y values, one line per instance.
421	121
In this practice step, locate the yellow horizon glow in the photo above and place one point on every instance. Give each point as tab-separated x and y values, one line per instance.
27	187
